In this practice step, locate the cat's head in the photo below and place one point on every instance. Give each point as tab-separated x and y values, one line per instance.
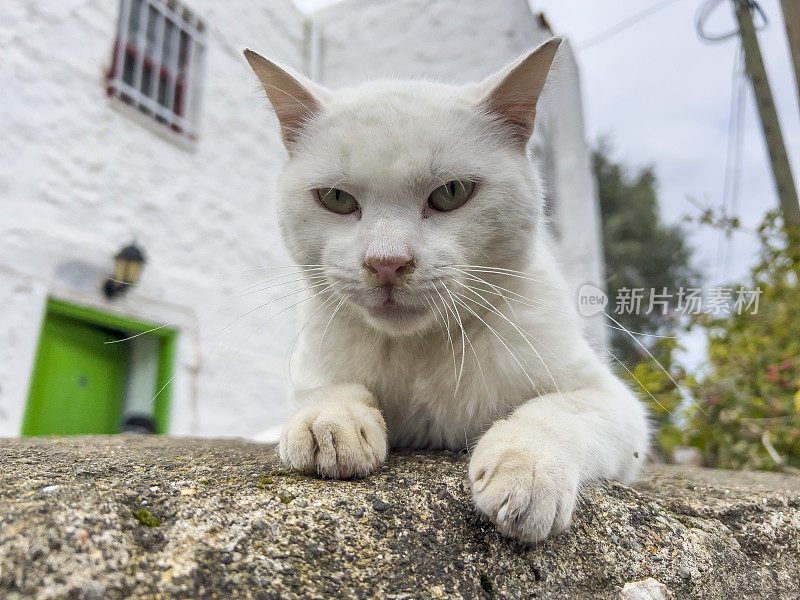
394	189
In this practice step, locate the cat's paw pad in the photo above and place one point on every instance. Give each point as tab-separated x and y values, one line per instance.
334	439
526	491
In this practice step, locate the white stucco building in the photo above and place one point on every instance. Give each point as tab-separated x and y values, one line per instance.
140	120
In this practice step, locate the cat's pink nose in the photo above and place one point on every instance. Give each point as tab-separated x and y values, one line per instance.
389	270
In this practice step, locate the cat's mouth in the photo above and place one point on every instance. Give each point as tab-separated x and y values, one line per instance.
393	309
388	306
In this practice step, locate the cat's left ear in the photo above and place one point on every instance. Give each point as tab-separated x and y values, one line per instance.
295	99
513	93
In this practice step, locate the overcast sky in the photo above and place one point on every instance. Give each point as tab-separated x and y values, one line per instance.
663	97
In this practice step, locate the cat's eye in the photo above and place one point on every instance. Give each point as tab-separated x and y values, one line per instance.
451	195
336	200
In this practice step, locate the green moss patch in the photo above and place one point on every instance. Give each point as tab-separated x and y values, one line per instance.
146	518
487	585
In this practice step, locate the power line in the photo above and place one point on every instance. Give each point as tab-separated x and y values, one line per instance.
770	124
625	24
739	130
705	10
757	74
733	163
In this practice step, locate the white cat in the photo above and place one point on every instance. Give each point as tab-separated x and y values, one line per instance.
440	318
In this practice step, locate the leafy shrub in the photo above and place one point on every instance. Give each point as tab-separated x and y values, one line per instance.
656	387
748	410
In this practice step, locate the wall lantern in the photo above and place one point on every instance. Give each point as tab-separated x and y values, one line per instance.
128	264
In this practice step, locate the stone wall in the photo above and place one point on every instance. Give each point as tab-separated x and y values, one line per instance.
142	518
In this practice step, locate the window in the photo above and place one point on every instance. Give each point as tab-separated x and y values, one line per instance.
158	62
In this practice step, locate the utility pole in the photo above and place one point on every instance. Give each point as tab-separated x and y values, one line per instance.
781	170
791	17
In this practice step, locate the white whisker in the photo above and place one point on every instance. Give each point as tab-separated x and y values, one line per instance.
309	320
660	366
523	333
330	320
445	327
503	341
457	317
300	279
262	324
505	272
265	304
643	386
531	303
298	268
215	308
471	347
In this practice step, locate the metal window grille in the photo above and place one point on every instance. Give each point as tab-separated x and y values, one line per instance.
158	62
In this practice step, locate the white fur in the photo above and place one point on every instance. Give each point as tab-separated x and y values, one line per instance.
546	414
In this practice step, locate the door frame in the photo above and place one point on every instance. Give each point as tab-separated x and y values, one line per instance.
168	338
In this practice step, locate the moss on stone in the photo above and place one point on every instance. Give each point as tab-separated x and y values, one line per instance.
487	586
146	518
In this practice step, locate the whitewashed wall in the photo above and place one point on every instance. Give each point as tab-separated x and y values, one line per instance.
79	178
460	41
573	185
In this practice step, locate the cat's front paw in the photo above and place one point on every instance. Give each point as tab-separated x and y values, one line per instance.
527	488
335	439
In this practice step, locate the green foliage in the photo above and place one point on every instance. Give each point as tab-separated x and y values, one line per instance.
747	409
656	387
640	250
748	413
643	252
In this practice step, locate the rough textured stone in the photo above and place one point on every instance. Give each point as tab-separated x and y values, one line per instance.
232	523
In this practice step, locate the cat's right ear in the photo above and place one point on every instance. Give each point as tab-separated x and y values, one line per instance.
295	99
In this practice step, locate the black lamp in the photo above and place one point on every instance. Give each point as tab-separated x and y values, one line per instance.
128	264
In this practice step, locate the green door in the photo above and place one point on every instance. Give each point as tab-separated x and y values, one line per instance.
78	382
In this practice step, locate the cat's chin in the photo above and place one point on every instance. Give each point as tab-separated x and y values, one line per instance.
392	317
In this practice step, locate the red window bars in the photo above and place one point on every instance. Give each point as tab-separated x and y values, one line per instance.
157	59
